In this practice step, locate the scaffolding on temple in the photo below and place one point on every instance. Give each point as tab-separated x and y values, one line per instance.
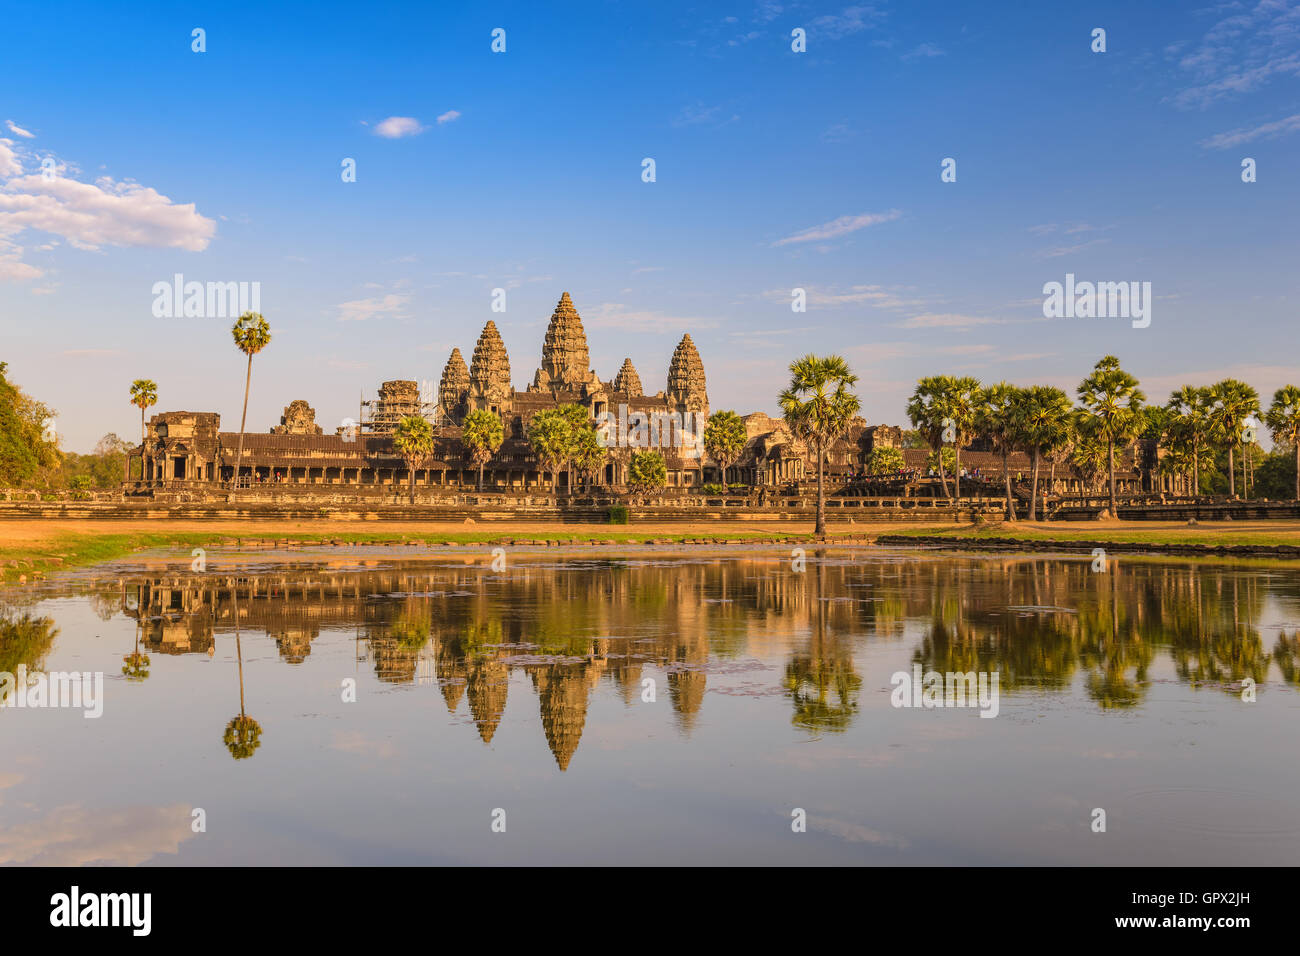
397	400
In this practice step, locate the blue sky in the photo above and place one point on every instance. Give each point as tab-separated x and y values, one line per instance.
522	170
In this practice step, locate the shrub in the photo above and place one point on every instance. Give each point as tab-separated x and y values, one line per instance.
618	514
712	488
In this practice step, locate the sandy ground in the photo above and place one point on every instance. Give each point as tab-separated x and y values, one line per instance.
17	533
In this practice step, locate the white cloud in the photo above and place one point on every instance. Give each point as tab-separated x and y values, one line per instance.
839	227
18	130
396	127
106	212
1246	135
391	305
449	117
9	164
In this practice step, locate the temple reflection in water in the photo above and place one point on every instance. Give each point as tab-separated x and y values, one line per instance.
1045	624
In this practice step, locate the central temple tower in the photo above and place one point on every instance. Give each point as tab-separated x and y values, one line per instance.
566	363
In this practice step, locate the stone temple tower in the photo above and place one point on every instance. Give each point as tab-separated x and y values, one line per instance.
627	380
489	373
566	364
686	390
453	390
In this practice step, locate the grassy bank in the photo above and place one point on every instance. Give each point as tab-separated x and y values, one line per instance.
1215	534
38	548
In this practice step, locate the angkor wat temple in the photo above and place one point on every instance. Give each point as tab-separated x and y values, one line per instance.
188	451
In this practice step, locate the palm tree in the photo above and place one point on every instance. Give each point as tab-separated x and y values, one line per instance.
482	433
1111	403
1046	427
959	400
1088	453
144	394
243	734
998	414
587	454
413	439
1231	401
252	334
925	411
550	434
1283	420
1191	407
818	407
724	440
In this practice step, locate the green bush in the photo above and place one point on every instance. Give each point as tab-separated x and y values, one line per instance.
618	514
712	488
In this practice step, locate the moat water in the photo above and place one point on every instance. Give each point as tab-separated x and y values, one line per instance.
655	708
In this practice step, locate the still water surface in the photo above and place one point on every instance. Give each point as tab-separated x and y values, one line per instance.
529	691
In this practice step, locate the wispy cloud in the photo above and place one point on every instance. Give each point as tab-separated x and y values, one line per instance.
18	130
923	52
390	305
1055	252
839	227
1241	53
615	315
448	117
697	114
1237	137
875	295
948	320
847	22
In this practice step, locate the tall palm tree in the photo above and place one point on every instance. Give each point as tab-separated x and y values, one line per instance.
1047	426
144	394
482	434
1111	403
1283	420
999	414
1191	407
243	734
926	412
961	397
724	440
1232	401
252	334
818	407
413	439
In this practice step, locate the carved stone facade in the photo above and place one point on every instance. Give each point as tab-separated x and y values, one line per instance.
299	418
566	363
489	373
454	387
627	380
686	378
187	449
